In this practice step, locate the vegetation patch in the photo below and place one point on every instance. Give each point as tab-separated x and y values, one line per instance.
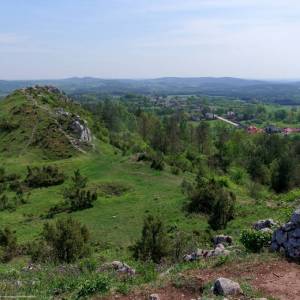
44	177
110	189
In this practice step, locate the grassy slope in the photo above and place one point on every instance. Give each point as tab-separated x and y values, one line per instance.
114	219
117	220
33	114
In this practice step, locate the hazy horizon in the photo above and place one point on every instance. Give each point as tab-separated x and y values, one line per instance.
135	39
153	78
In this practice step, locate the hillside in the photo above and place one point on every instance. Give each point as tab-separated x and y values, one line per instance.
43	120
132	180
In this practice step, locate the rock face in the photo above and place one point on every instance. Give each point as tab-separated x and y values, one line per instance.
263	224
226	287
80	128
287	238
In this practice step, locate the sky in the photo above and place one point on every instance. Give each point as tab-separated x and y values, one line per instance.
149	38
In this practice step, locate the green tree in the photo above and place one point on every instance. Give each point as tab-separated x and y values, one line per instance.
154	243
223	210
202	135
283	173
67	240
77	197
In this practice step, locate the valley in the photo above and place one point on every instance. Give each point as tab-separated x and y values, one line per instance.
139	162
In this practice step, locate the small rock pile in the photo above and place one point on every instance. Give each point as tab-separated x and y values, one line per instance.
118	266
265	225
222	239
218	251
286	239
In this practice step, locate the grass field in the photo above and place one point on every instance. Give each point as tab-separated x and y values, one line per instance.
116	220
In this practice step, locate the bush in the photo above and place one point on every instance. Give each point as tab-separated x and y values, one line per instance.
81	199
255	240
8	243
182	163
44	177
238	175
212	197
158	163
99	284
65	241
175	170
223	210
181	243
77	197
154	243
7	204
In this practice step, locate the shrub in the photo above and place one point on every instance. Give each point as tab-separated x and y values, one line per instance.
77	197
238	175
65	241
7	125
81	199
212	197
88	287
79	181
154	243
175	170
181	243
255	240
8	243
7	204
44	177
223	210
181	162
158	163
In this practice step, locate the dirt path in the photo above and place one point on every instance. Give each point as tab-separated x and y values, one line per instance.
277	279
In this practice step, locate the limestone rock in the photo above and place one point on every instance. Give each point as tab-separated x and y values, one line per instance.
286	239
119	267
222	239
296	217
226	287
79	127
199	253
154	297
261	224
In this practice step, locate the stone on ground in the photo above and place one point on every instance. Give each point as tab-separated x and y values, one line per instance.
226	287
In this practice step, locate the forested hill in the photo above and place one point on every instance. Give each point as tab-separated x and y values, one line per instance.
267	91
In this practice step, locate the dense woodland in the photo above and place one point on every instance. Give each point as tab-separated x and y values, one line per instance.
165	136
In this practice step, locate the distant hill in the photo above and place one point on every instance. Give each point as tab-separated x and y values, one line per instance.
44	120
268	91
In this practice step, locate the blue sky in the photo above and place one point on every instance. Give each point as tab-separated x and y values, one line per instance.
153	38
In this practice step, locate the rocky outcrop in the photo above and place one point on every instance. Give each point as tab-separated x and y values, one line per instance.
286	239
226	287
222	239
199	253
80	129
263	224
76	126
